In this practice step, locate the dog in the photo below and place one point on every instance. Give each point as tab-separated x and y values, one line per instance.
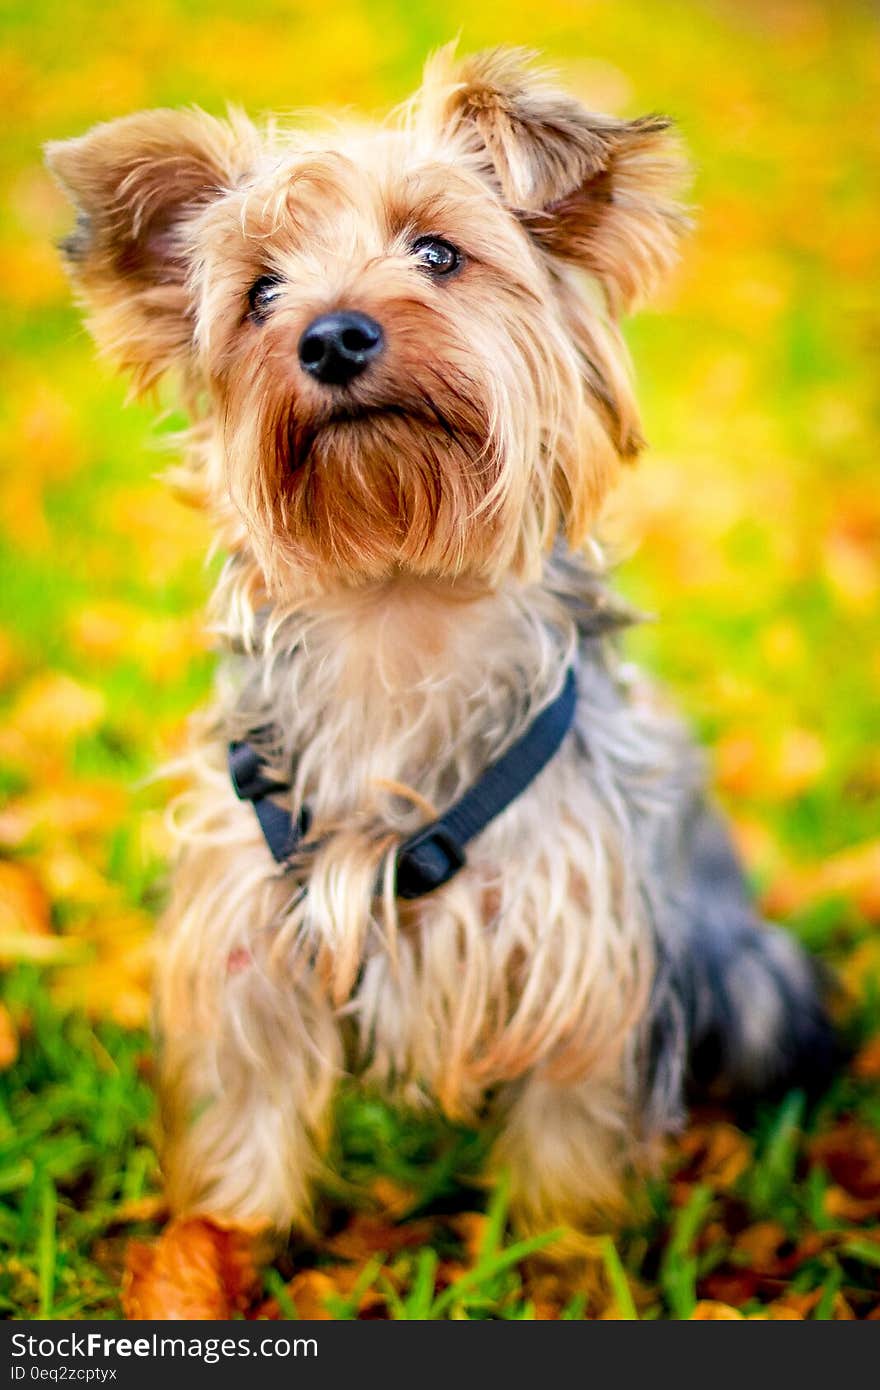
436	835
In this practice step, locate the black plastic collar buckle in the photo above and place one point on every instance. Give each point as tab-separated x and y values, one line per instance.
247	773
427	860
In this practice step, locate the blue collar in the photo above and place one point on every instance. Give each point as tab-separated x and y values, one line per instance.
434	854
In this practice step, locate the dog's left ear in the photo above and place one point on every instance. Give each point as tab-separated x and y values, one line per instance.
592	190
137	183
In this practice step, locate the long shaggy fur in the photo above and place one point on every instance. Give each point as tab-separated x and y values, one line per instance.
409	576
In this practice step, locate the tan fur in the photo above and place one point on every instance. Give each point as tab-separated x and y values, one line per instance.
388	592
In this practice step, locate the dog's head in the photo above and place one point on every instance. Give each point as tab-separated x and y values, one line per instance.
402	341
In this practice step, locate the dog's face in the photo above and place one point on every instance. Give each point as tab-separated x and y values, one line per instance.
389	334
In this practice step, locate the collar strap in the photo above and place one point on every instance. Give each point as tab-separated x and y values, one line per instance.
434	854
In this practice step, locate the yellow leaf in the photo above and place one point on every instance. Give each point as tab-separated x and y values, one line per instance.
71	878
69	808
115	981
15	949
851	564
54	707
111	632
799	763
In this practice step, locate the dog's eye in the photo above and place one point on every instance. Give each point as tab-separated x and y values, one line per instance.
262	295
437	256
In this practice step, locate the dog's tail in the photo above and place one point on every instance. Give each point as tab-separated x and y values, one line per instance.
740	1008
760	1023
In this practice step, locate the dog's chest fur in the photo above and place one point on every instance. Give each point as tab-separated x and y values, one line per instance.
385	707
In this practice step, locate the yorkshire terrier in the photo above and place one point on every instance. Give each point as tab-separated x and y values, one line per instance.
436	837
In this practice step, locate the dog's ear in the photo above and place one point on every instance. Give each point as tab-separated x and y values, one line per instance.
136	182
592	190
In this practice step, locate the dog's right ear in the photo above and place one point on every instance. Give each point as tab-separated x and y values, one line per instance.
136	183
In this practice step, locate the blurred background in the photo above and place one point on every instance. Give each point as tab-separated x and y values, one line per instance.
751	528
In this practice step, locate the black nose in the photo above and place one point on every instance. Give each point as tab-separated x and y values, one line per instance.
337	347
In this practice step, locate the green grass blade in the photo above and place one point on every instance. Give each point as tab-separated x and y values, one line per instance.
47	1248
824	1310
487	1269
618	1281
679	1266
277	1289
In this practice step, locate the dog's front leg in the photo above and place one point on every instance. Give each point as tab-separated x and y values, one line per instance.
245	1112
248	1061
566	1148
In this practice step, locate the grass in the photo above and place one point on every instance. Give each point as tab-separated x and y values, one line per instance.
411	1231
752	529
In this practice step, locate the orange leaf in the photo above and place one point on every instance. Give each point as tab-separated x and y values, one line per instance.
760	1245
852	875
866	1063
8	1039
801	1304
470	1227
841	1206
851	1154
716	1153
780	1312
310	1290
367	1235
24	904
193	1271
706	1311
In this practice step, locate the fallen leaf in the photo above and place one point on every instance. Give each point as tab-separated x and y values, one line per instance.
71	877
16	948
717	1153
781	1312
112	976
394	1199
852	568
24	903
840	1205
55	708
759	1245
851	1155
852	875
866	1063
112	632
195	1270
715	1312
70	808
8	1039
470	1227
10	659
784	768
802	1304
800	762
367	1235
728	1285
310	1290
